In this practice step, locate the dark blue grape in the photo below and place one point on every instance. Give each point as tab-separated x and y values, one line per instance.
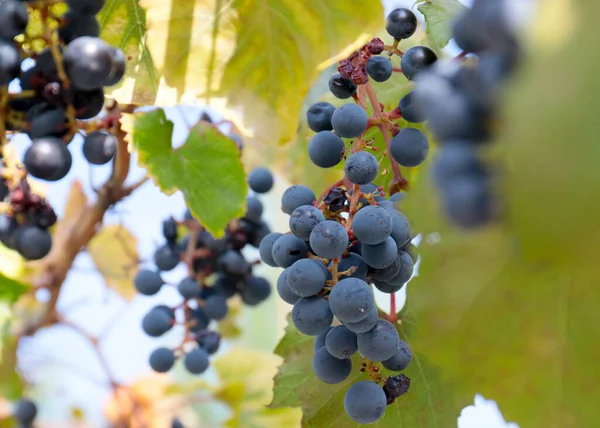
167	257
351	299
401	23
467	202
260	180
401	228
349	120
319	341
340	87
325	149
386	287
162	360
215	307
389	272
306	277
287	249
296	196
365	402
400	360
329	239
304	219
188	288
148	282
13	19
417	59
312	316
47	159
209	341
254	208
169	229
157	322
255	291
366	324
405	272
86	7
226	285
380	343
284	290
265	248
76	25
199	321
25	411
410	109
361	269
329	369
372	225
88	62
454	159
409	147
379	68
341	342
10	62
381	255
319	116
361	168
196	361
33	242
233	263
99	148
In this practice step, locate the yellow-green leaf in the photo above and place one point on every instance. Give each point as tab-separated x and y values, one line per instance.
207	168
439	15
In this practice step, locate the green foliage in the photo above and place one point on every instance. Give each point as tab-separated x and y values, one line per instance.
439	15
427	404
11	386
512	311
207	168
10	289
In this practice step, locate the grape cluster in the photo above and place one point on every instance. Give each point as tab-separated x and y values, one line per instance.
354	235
24	413
59	92
217	271
459	102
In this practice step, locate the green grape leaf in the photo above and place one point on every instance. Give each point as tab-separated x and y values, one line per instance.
515	306
11	386
439	15
207	168
428	403
123	25
10	289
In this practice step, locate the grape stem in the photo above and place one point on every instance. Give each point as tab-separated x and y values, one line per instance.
49	39
396	69
392	317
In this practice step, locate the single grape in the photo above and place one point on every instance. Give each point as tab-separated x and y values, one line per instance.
209	341
99	147
412	251
361	168
162	360
306	277
260	180
284	290
329	369
366	324
88	104
296	196
365	402
199	321
86	7
329	239
386	287
380	343
319	116
401	227
48	159
401	23
351	299
381	255
389	272
188	288
265	248
50	122
176	423
409	147
259	231
76	25
288	249
359	267
167	256
157	322
341	342
169	229
312	316
372	225
405	272
215	307
325	149
454	159
233	263
349	120
88	62
25	411
410	109
397	197
254	208
255	291
340	87
10	62
226	285
319	341
13	19
196	361
467	202
417	59
400	360
304	219
379	68
33	242
148	282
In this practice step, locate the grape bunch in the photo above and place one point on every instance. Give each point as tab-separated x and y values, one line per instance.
24	413
217	271
60	92
460	103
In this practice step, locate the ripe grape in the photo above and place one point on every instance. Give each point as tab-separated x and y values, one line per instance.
215	307
329	239
188	287
176	423
255	290
196	361
380	343
389	272
405	272
351	299
417	59
319	341
265	248
13	19
340	87
288	249
361	269
260	180
76	25
48	159
341	342
33	242
148	282
372	225
99	147
379	68
312	316
325	149
400	360
10	62
25	411
88	62
199	320
454	159
304	219
254	208
329	369
365	402
319	116
467	202
349	120
401	23
296	196
366	324
169	229
306	277
225	285
167	256
233	263
86	7
361	168
209	341
401	228
88	104
381	255
386	287
119	66
410	109
162	360
157	322
284	290
409	147
50	122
